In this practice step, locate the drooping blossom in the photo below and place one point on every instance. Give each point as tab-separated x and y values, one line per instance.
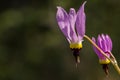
72	25
104	42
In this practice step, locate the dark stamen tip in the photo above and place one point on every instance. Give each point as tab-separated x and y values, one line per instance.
105	68
76	55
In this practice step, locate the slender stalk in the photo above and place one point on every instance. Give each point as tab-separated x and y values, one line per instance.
113	61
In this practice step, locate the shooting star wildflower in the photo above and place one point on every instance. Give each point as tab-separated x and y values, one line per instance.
104	42
72	26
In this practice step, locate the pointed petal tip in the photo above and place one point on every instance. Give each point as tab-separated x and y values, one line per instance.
84	2
108	36
82	6
99	36
102	35
72	9
58	7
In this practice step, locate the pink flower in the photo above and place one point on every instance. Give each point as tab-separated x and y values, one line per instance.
105	43
72	25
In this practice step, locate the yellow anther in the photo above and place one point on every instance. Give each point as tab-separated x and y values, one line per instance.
104	61
76	45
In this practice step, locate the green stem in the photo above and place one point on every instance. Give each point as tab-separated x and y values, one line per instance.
113	61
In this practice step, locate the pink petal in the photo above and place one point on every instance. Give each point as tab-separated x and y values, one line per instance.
104	43
72	19
96	50
63	21
109	41
80	21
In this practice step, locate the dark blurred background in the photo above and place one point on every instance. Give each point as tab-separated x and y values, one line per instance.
33	48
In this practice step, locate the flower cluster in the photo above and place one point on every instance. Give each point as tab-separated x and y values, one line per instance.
72	25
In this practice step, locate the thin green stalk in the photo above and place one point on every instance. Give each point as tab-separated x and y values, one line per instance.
113	61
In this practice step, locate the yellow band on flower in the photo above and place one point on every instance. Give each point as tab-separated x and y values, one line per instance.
76	45
104	61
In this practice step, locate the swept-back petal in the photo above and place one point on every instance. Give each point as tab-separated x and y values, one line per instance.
109	42
80	21
104	43
96	50
72	19
99	41
63	21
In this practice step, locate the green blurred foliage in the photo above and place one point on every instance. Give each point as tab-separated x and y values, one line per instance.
33	48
